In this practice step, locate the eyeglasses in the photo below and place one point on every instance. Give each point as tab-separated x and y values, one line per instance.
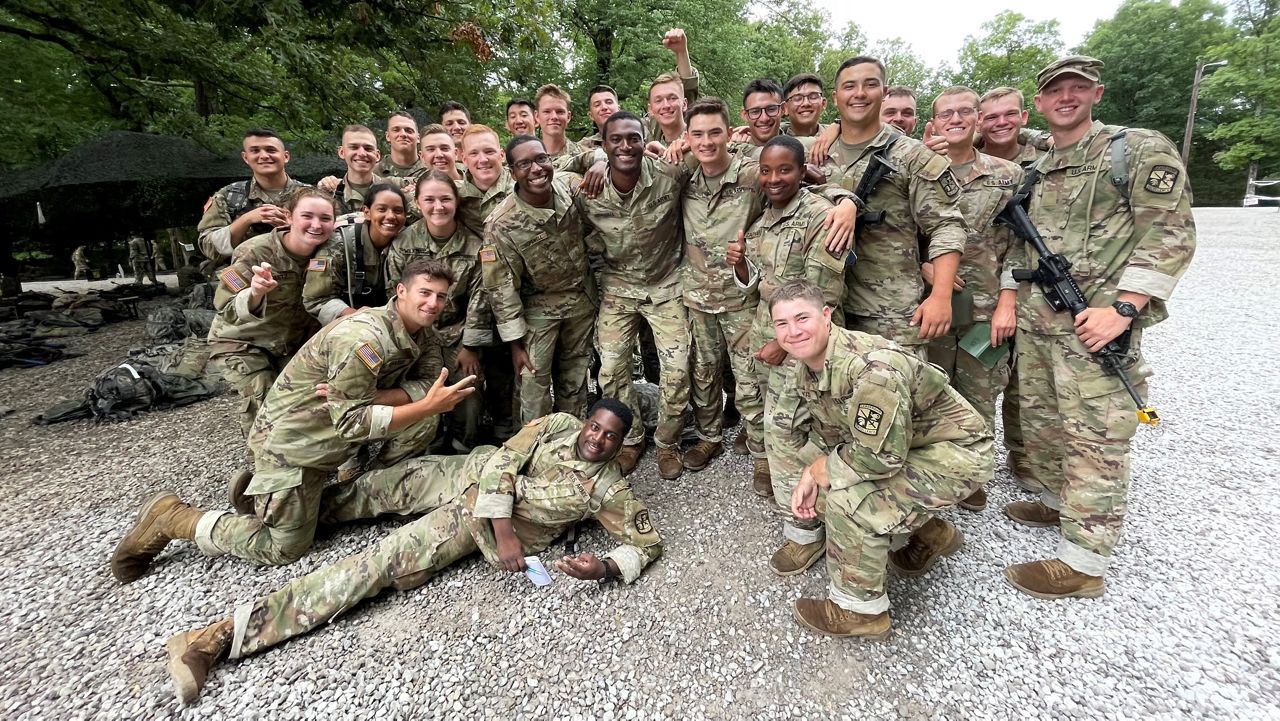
948	114
523	165
805	98
769	110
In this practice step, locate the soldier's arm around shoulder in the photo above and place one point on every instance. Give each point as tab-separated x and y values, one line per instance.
933	195
626	519
1164	230
878	418
325	285
822	267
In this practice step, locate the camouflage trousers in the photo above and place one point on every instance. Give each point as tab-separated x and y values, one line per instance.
1077	422
979	385
559	348
617	328
143	268
713	335
82	270
864	520
1009	406
465	417
898	330
288	503
251	371
784	412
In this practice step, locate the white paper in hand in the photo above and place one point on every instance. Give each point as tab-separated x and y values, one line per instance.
536	571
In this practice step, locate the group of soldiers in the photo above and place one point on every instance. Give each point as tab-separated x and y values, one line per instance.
847	284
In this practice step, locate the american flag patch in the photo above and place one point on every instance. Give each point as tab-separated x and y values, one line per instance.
369	356
318	264
233	279
488	255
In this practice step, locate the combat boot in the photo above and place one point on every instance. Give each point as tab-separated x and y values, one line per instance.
740	444
1020	469
192	653
761	479
670	465
977	501
236	488
161	519
702	453
932	541
825	617
629	457
1053	579
1032	514
795	558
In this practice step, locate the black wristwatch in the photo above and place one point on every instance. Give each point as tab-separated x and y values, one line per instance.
1125	308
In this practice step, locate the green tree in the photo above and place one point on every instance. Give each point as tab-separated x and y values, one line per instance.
1010	51
1250	84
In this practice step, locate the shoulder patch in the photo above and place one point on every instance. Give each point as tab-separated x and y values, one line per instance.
936	166
644	526
233	280
208	204
488	255
947	181
1162	179
868	419
369	356
318	265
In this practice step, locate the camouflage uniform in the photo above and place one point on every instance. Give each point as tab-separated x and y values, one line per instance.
692	87
539	288
140	259
299	438
788	130
785	245
80	258
1077	420
392	172
351	197
884	288
635	241
475	205
535	479
986	190
900	444
250	349
332	284
222	209
571	150
465	320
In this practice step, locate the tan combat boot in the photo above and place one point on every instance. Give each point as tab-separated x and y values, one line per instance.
702	453
1032	514
932	541
761	479
795	558
191	653
1053	579
236	487
825	617
977	501
161	519
629	457
670	465
740	444
1020	469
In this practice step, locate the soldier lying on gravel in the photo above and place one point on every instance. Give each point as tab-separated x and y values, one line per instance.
360	379
888	443
505	502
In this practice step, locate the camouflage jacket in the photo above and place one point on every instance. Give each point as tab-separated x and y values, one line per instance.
788	130
873	408
357	355
476	205
534	263
984	192
1142	243
214	228
466	316
1031	145
571	150
692	87
281	324
537	480
80	257
351	197
389	170
920	198
331	286
138	249
635	239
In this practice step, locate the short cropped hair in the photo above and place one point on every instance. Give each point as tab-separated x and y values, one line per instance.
521	101
762	85
516	142
355	128
617	408
618	117
262	133
433	268
551	90
956	90
450	106
859	60
665	78
1003	91
798	289
433	129
601	88
403	114
709	105
900	91
476	129
788	142
802	79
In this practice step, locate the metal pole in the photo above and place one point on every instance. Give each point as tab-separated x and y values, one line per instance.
1191	113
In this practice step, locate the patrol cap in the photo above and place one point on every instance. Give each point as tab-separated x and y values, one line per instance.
1082	65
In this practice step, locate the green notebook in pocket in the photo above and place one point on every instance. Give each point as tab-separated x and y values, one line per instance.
977	343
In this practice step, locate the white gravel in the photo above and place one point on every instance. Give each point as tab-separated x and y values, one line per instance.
1188	628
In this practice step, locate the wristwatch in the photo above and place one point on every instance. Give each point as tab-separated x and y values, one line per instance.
1125	308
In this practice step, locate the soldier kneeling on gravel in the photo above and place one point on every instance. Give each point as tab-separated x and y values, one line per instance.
887	443
506	502
364	378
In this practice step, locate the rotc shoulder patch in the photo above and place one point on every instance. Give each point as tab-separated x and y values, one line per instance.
868	419
318	265
488	255
369	356
233	280
643	525
947	181
1162	179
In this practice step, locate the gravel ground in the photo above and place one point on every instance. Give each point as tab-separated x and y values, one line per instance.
1188	627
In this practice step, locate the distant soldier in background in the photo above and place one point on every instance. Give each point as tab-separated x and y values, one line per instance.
80	258
140	259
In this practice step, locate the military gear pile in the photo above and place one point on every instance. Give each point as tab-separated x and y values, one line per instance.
122	392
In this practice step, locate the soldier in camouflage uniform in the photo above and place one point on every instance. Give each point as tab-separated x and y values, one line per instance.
1115	202
804	99
884	290
80	258
671	92
359	150
986	184
886	445
248	208
349	271
140	259
553	113
762	109
633	238
505	503
361	379
538	283
402	139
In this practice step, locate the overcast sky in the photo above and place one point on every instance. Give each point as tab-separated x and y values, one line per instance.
936	30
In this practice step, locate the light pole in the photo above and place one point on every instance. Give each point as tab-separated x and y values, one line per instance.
1191	114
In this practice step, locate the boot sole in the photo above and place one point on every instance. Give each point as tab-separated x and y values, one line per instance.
876	636
798	571
956	542
142	513
184	683
1030	523
1082	593
972	506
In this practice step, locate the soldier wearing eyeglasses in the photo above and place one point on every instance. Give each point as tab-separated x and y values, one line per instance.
762	109
805	99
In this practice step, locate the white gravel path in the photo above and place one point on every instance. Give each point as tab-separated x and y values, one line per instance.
1188	627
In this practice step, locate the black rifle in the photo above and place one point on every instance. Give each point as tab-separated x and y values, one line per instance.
1053	275
878	168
